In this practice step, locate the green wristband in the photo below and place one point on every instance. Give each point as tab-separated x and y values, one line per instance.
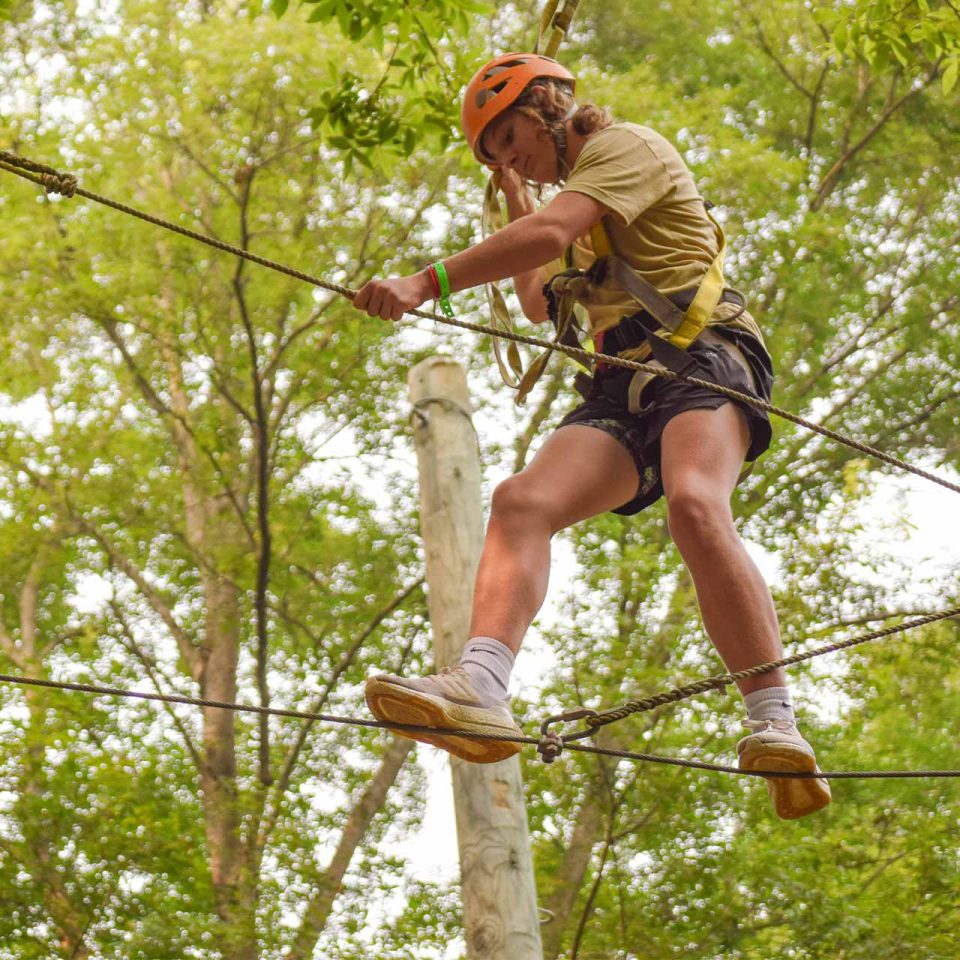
441	272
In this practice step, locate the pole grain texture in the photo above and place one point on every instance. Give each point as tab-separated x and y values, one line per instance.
496	866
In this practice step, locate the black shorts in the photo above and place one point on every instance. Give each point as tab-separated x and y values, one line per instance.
606	407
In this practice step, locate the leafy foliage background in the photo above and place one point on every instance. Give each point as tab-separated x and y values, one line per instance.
146	382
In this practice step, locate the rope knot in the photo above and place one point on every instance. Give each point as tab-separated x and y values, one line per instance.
550	747
63	183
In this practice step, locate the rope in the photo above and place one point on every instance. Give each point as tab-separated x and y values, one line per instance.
474	735
556	24
546	15
66	184
722	681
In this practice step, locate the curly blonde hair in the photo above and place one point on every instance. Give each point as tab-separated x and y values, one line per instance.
547	100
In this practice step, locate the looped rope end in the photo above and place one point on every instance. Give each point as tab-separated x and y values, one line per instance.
550	746
51	180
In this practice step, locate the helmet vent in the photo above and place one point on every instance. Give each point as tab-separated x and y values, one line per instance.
483	96
500	67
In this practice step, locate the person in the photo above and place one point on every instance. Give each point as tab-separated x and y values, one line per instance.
617	450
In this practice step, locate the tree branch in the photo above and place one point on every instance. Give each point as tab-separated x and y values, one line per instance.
153	669
778	63
320	905
181	430
832	176
554	385
188	651
346	660
264	551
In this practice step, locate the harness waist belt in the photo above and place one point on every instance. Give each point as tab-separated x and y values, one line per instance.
631	331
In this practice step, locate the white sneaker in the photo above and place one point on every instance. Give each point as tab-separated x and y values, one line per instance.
777	745
445	699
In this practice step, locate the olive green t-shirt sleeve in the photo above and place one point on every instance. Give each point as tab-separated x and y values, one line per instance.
622	170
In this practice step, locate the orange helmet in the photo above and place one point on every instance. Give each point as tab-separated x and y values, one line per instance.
496	86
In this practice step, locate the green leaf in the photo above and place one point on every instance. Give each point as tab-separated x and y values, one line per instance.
899	51
323	9
949	77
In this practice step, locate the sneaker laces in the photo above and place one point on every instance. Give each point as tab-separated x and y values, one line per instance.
483	700
762	726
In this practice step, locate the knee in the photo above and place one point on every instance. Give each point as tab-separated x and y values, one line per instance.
696	512
518	501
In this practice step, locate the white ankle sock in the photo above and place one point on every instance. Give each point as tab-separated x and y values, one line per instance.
771	703
488	663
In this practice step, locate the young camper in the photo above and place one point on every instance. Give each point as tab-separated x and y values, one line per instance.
647	267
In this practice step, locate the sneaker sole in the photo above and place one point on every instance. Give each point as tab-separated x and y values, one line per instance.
792	799
394	704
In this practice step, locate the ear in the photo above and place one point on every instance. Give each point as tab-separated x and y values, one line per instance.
539	90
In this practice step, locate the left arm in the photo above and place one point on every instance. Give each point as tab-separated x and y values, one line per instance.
524	244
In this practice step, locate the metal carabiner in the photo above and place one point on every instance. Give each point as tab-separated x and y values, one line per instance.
551	743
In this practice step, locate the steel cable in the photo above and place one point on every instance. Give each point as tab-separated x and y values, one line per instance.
99	689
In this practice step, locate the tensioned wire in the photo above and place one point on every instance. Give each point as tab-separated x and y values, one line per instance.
566	742
722	681
473	735
66	184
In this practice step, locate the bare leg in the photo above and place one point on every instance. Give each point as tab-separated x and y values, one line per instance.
702	454
579	472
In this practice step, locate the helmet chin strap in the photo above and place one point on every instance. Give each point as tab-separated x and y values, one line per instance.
560	141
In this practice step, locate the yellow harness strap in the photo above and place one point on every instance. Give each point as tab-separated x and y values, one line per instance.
511	367
707	297
683	332
600	240
680	329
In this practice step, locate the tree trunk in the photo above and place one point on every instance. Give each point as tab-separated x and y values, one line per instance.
68	918
499	895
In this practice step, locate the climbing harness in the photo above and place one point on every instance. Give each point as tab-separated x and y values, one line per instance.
493	89
661	332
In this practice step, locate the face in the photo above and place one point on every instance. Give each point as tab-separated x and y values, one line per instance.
518	142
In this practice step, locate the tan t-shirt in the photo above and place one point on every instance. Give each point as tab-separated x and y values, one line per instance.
658	224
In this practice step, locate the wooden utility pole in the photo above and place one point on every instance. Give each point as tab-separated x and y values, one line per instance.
496	867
